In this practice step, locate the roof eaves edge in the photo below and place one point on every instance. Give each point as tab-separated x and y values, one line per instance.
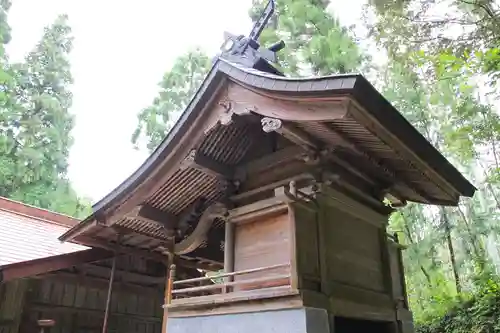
102	205
447	171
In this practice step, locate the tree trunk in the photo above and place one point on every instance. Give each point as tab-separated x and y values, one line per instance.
447	228
477	247
410	239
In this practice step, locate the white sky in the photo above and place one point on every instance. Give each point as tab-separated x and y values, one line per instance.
120	54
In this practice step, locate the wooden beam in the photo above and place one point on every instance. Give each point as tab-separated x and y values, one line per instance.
154	256
102	243
269	161
99	283
126	231
197	160
209	253
353	183
196	264
295	135
50	308
148	213
125	276
287	107
388	175
50	264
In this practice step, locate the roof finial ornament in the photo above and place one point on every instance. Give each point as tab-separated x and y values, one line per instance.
246	51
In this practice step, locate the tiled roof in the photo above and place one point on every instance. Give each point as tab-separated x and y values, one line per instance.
28	233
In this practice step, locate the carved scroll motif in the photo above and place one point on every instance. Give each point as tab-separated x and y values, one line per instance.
271	124
230	110
188	160
199	234
226	117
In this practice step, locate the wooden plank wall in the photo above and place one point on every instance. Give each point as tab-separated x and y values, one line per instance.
340	259
80	308
12	297
262	243
353	250
77	303
398	288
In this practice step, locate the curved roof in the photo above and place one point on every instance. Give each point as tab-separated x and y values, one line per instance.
372	128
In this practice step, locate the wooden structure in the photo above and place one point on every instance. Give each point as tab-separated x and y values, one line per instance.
64	287
281	183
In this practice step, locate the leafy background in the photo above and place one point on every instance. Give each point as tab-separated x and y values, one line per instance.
440	68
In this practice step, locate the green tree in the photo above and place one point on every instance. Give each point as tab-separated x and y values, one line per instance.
460	33
448	254
316	42
176	90
36	126
455	247
5	77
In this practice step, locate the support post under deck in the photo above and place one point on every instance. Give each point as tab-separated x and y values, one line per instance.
228	252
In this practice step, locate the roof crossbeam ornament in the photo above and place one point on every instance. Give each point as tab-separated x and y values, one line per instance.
247	51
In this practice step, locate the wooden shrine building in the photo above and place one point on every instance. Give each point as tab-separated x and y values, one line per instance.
281	183
64	287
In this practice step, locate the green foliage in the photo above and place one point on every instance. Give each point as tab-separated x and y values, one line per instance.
316	43
176	90
451	260
35	123
479	313
431	76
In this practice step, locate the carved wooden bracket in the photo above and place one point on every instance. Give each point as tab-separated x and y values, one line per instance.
231	110
288	131
271	124
196	238
227	113
197	160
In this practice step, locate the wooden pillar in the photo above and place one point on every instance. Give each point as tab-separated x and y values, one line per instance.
386	263
167	298
294	276
401	272
108	299
228	252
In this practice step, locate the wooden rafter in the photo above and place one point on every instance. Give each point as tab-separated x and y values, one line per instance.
150	214
50	264
154	256
197	160
390	176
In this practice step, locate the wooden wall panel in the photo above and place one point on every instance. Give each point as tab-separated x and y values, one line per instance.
396	274
262	243
307	248
13	295
80	308
353	250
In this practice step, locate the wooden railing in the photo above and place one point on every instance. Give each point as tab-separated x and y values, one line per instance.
227	286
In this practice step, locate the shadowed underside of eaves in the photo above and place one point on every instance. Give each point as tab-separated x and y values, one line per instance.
246	129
